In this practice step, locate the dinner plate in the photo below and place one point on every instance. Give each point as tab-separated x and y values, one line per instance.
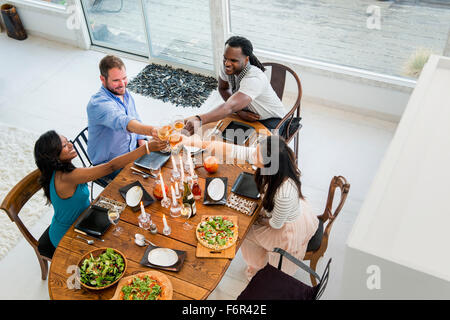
134	196
216	189
163	257
193	150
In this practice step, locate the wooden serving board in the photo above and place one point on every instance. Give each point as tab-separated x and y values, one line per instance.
229	253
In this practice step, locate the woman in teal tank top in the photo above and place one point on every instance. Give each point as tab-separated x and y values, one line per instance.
65	185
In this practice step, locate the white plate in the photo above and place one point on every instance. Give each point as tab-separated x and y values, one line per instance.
163	257
216	189
193	150
134	196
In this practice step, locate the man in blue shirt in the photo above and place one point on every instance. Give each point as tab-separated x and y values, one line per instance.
114	126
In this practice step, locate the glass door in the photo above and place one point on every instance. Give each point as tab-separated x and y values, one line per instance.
180	31
116	24
169	30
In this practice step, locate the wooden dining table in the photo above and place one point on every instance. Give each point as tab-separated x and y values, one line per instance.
197	278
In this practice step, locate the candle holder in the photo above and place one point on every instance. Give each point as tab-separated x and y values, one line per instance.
144	221
165	202
177	191
176	176
166	230
175	209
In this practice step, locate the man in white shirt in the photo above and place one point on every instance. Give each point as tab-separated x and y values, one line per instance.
245	89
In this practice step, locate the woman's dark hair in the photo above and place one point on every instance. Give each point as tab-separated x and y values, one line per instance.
268	184
46	155
247	49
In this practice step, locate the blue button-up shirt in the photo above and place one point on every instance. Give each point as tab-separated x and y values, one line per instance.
108	118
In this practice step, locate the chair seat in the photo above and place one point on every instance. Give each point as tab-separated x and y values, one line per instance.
316	240
270	283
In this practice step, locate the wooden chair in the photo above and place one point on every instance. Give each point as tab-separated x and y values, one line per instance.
319	242
80	145
14	202
292	118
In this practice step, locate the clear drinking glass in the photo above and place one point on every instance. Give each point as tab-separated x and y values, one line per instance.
186	211
114	217
165	129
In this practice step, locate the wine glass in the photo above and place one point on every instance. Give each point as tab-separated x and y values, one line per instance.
174	141
178	123
114	217
164	131
186	211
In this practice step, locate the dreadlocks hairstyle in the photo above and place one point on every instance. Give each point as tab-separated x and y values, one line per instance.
247	49
46	155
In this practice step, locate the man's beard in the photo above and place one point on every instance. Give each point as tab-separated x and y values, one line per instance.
114	91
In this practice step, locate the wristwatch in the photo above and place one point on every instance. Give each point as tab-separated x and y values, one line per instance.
198	117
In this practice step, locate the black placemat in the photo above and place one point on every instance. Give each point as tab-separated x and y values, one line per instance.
237	132
207	199
147	199
153	161
94	222
176	267
245	185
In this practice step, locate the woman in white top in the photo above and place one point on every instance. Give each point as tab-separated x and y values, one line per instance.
286	220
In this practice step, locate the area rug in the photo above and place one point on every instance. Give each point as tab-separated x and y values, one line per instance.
178	86
16	154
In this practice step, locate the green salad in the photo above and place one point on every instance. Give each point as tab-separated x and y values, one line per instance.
103	270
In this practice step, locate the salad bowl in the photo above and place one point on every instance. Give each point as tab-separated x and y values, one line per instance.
101	268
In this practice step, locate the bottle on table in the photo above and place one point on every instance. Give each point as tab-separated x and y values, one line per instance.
188	198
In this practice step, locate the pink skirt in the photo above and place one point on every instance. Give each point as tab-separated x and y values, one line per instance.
292	236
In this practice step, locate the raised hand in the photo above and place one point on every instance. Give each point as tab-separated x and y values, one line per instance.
192	124
156	144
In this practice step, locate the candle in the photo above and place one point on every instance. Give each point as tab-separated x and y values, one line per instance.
163	187
174	199
174	165
142	208
165	222
191	164
181	167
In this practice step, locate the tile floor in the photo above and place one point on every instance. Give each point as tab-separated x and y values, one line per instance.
47	86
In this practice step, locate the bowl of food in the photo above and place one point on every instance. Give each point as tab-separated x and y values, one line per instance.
101	268
149	285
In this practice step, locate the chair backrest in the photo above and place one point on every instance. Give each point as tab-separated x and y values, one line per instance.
18	197
80	145
278	81
323	281
328	215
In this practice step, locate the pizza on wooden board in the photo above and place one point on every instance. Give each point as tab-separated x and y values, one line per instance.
217	232
146	286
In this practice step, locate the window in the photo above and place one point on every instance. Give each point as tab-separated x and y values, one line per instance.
116	24
377	36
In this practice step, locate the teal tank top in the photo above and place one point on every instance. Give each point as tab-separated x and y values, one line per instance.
66	211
